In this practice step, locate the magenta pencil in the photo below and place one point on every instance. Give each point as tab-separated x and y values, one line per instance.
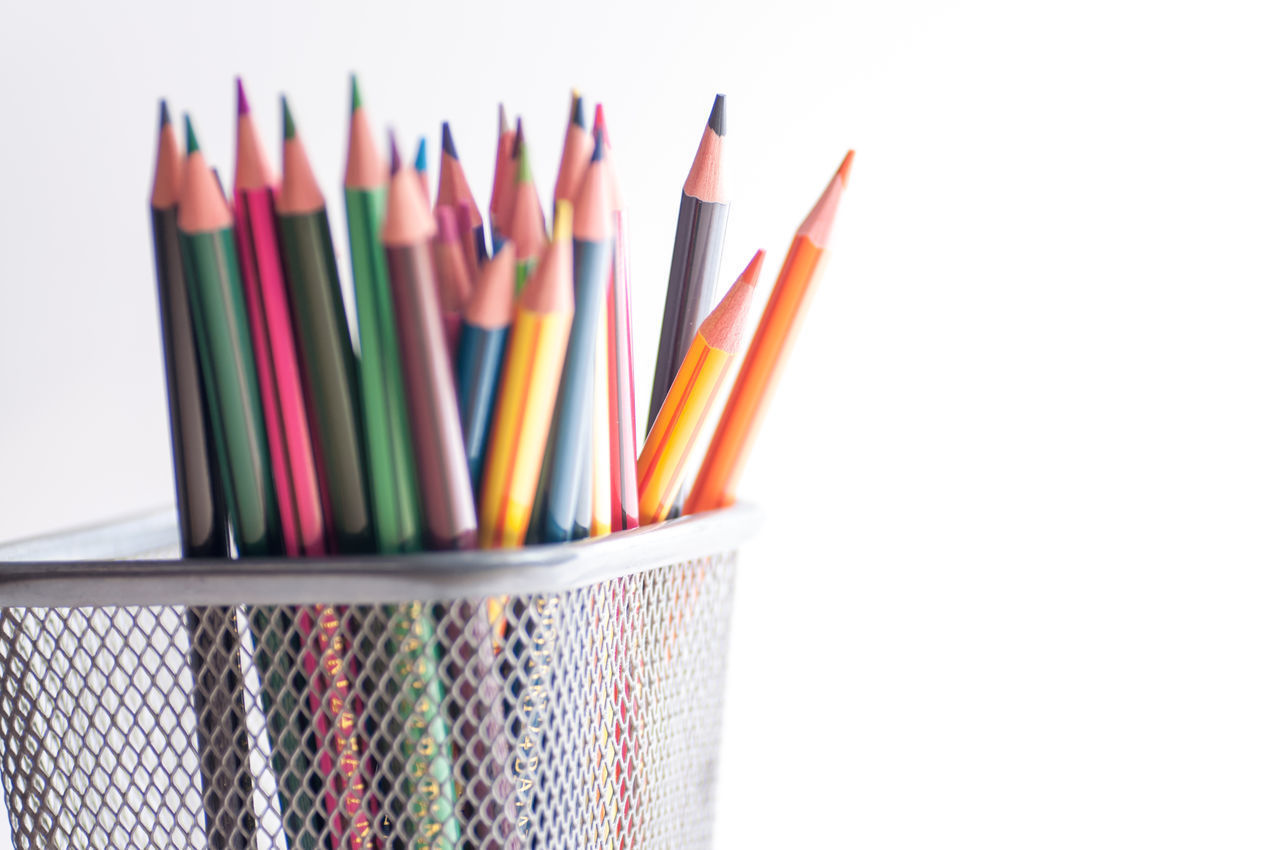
293	463
271	328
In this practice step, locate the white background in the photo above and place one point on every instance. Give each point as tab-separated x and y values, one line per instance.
1018	586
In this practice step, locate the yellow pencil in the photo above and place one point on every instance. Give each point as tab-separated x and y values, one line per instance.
527	394
684	413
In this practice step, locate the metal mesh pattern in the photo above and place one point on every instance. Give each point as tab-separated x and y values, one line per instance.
583	719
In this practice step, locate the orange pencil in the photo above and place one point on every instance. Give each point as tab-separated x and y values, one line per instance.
683	415
717	479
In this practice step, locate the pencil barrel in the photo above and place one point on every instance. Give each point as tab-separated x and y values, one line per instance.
695	265
330	376
230	384
388	449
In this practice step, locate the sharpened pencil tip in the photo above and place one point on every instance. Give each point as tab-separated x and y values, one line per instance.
845	165
193	144
518	144
752	272
577	112
420	158
356	100
164	113
395	152
716	121
446	141
287	119
503	125
242	102
597	153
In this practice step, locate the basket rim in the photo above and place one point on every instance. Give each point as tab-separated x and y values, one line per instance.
40	573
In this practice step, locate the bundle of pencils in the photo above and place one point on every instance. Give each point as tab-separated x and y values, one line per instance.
486	399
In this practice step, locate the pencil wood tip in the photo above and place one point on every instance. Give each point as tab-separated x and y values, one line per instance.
577	112
504	126
716	120
845	165
752	272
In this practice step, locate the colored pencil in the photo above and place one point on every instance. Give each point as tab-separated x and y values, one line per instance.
329	379
762	365
599	467
298	494
683	415
526	396
570	442
449	512
226	355
293	466
202	521
575	154
421	166
231	391
452	275
328	361
503	183
695	259
526	225
455	192
444	490
221	726
483	342
388	448
624	501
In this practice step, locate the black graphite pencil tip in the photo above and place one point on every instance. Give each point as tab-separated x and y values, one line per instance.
164	113
446	142
578	115
716	121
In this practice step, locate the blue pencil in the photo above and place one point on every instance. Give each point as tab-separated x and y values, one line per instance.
569	444
481	347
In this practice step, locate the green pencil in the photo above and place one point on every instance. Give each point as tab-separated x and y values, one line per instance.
388	450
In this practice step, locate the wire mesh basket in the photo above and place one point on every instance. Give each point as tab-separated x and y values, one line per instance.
549	697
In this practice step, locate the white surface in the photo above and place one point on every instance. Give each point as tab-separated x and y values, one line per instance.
1019	584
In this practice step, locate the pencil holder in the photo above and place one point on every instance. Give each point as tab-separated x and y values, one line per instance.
551	697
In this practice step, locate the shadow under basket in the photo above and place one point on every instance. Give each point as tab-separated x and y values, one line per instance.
549	697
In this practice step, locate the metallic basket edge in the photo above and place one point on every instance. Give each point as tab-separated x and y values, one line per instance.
382	579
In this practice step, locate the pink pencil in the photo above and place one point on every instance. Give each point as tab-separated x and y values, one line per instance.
284	409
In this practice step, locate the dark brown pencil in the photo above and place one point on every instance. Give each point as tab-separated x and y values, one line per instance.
221	729
695	260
